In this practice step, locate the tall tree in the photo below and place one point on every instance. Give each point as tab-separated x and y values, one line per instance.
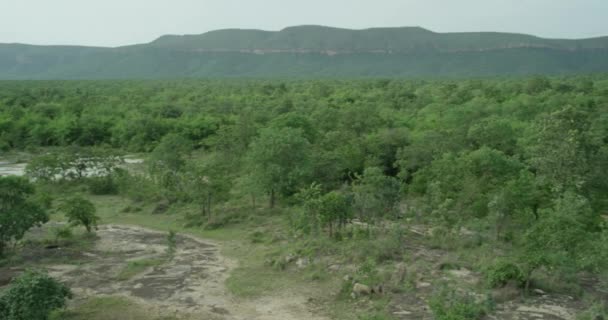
278	160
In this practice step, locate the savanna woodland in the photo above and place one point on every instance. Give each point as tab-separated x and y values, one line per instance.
335	199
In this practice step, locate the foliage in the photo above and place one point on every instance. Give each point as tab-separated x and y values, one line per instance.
278	160
499	274
375	195
80	211
451	305
517	162
19	210
32	296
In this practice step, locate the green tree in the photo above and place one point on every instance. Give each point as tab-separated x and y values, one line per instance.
80	211
375	194
168	159
278	160
561	237
32	296
19	210
334	210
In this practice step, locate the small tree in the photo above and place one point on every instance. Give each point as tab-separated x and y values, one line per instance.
375	194
168	159
32	296
334	210
560	237
19	211
80	211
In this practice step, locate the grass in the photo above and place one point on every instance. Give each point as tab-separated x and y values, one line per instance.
134	268
105	308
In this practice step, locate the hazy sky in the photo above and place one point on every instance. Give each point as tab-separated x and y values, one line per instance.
121	22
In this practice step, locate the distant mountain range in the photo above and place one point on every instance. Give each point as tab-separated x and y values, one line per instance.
312	51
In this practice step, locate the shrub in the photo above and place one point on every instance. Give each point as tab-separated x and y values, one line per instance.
32	296
102	185
63	233
449	305
502	272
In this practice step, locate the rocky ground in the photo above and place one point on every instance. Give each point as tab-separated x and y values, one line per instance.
190	283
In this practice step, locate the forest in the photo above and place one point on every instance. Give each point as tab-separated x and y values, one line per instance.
410	187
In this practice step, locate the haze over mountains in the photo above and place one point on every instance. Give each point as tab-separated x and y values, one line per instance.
312	51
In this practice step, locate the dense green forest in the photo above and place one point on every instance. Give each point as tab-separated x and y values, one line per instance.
311	52
513	171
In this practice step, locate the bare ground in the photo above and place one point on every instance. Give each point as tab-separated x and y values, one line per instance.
190	284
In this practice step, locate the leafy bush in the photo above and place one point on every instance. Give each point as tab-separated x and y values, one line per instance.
450	305
32	296
502	272
102	185
63	233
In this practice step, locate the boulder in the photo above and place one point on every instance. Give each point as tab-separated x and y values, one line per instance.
361	290
302	263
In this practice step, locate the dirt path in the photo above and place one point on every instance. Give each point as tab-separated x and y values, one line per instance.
192	283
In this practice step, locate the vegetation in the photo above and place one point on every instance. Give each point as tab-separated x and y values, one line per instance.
19	210
505	178
33	296
80	211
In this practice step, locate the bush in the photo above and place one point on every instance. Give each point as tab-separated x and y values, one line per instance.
63	233
32	296
102	185
596	311
502	272
450	305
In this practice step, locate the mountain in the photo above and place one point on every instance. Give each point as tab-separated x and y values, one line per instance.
312	51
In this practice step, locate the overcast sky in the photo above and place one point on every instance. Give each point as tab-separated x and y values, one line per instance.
122	22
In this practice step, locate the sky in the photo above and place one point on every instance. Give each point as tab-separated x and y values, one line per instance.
124	22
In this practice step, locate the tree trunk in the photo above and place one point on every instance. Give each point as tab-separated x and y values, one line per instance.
331	229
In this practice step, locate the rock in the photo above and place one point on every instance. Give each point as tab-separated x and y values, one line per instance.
361	290
466	232
302	263
422	284
402	313
539	291
347	278
290	258
334	267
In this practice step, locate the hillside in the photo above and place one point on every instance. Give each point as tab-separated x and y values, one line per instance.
312	51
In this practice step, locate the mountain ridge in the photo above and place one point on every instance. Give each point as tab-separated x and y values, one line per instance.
312	51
